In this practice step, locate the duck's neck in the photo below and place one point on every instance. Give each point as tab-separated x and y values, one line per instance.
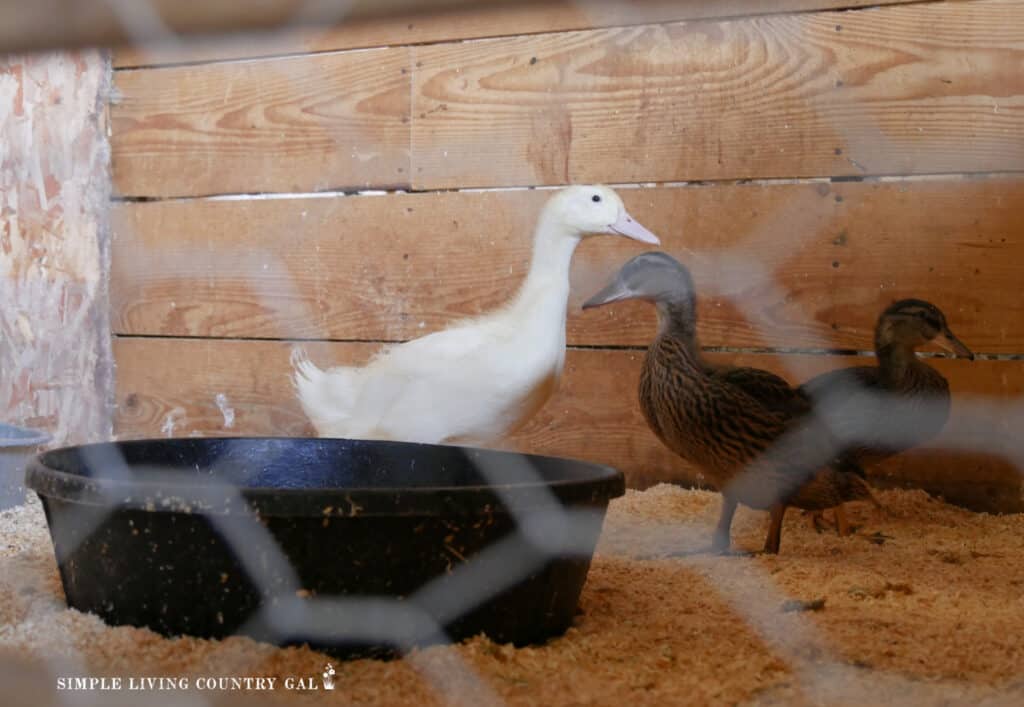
895	361
546	288
677	320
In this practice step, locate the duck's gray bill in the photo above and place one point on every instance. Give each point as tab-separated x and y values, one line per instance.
614	292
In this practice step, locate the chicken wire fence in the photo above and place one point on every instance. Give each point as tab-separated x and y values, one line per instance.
547	529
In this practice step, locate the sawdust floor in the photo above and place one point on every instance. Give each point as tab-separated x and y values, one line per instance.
923	606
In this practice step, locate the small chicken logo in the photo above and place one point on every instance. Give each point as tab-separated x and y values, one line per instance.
329	677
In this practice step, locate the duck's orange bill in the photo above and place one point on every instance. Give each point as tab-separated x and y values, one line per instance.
626	226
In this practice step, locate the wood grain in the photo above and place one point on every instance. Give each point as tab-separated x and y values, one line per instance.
296	125
463	23
898	90
785	266
173	387
64	24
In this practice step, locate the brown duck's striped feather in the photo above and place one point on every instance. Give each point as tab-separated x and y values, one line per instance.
748	430
770	390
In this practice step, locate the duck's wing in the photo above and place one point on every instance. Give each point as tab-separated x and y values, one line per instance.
410	390
843	381
805	450
422	354
771	391
854	403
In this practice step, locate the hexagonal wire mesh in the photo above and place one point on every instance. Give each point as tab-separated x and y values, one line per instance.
554	530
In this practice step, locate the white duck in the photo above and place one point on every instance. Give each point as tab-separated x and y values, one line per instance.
481	378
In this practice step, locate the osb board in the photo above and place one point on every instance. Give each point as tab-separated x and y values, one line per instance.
399	266
55	362
294	124
181	387
931	617
463	23
898	90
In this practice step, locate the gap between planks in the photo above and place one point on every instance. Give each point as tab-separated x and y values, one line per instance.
738	350
696	184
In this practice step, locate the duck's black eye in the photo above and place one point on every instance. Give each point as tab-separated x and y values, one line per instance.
595	198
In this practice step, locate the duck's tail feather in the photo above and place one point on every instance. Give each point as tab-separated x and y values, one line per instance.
301	364
326	396
305	379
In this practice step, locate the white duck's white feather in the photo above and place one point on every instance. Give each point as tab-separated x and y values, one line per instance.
473	382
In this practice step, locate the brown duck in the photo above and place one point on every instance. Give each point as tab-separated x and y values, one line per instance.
879	411
753	435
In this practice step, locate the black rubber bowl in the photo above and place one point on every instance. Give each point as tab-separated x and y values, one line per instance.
353	547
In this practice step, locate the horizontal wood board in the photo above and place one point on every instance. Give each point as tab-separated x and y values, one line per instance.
463	23
48	25
170	387
290	125
897	90
782	265
909	89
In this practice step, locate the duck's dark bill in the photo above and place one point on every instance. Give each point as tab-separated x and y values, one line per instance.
949	342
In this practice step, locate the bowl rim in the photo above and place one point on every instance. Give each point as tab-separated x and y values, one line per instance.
601	485
15	436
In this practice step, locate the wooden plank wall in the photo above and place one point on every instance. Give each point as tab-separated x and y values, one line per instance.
822	159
